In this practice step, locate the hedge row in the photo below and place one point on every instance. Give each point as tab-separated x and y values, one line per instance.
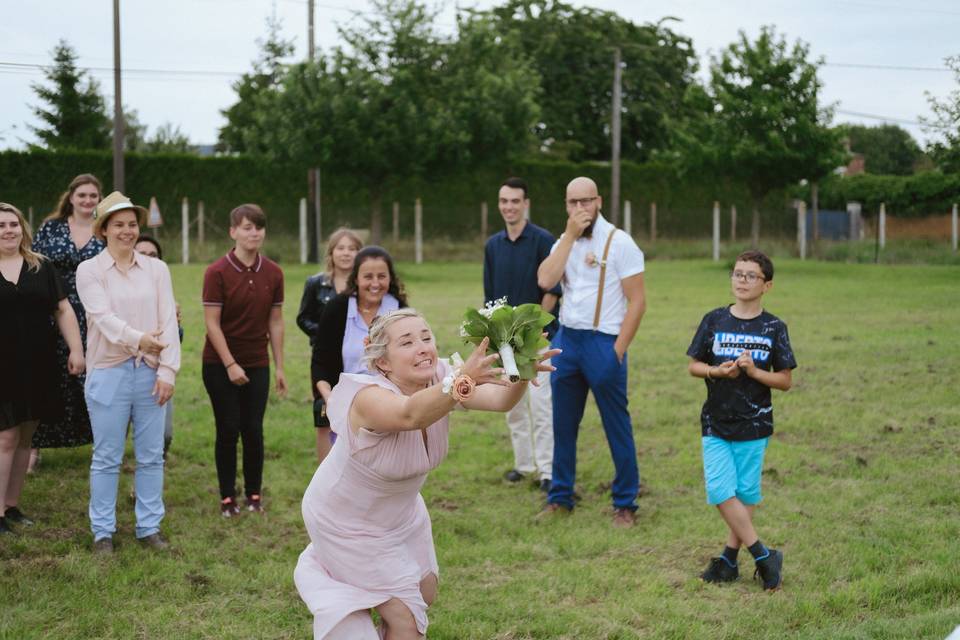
451	205
918	195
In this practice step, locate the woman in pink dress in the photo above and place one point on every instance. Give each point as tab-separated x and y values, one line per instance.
371	542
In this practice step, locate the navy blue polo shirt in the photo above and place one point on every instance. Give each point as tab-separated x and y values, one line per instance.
510	267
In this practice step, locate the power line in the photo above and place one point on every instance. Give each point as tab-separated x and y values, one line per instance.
885	67
873	116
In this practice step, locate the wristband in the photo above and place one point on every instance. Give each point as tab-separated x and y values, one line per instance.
709	377
227	366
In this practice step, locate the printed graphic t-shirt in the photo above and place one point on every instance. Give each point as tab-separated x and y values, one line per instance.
740	409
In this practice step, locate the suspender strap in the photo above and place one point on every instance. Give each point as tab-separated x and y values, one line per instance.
603	276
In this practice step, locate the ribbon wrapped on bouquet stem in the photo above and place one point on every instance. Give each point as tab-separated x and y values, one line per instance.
516	333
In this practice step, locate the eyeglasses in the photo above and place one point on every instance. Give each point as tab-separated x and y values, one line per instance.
583	202
749	277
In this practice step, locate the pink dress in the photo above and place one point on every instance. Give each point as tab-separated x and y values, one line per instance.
370	534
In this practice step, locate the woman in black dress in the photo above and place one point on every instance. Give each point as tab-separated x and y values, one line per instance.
342	248
66	239
31	293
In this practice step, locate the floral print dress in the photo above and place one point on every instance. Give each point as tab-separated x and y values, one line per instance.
53	241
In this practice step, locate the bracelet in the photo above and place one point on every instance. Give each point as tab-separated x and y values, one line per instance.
709	377
227	366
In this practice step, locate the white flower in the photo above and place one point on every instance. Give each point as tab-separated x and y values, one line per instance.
492	306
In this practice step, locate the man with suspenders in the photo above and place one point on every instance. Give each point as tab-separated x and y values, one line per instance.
600	270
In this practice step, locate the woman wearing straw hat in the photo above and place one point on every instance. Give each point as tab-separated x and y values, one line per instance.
133	355
66	238
31	293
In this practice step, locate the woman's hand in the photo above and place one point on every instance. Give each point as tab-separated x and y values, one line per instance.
237	375
163	391
75	363
281	379
542	364
150	343
479	366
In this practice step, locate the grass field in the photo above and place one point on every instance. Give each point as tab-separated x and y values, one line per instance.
861	490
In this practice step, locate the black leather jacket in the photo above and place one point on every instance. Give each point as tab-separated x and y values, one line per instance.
317	292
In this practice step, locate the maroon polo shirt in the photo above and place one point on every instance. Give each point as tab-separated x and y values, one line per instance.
246	295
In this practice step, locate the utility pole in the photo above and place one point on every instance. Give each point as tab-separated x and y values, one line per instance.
118	178
313	174
615	140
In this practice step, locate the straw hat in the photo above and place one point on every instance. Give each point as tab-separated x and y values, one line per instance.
113	203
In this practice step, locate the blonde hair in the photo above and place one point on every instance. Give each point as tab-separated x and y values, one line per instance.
334	240
65	208
376	345
31	257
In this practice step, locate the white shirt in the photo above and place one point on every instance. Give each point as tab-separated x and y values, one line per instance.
581	278
122	306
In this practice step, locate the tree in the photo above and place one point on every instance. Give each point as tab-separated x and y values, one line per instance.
400	102
572	50
134	131
75	116
759	121
168	138
944	127
243	131
887	149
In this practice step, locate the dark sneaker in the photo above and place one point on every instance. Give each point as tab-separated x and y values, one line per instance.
16	516
513	476
769	570
5	529
229	508
624	518
103	547
552	510
155	541
254	504
545	485
719	570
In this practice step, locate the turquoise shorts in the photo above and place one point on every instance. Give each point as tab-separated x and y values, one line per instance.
732	469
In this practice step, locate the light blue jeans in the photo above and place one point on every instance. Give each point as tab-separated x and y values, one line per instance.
117	396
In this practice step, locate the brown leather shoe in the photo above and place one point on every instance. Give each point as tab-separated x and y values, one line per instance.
154	541
624	518
553	510
103	547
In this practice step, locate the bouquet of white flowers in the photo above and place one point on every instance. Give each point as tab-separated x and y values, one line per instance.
516	333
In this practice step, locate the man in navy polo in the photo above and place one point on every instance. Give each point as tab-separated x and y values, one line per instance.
510	263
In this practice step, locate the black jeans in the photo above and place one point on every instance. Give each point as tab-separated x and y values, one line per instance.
238	412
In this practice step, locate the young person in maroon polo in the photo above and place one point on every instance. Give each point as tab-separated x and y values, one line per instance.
242	308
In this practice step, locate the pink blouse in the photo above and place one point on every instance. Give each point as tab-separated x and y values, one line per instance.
121	307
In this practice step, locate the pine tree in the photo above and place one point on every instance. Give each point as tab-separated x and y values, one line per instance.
75	116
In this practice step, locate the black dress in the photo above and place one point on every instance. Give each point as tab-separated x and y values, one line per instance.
73	429
30	373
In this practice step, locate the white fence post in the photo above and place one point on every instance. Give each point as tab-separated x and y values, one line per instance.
418	232
200	224
882	225
802	229
627	218
185	231
853	211
716	231
303	231
396	222
953	228
653	222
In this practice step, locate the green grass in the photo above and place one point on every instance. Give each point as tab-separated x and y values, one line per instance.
860	484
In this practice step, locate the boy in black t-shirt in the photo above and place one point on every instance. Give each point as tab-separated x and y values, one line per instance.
742	352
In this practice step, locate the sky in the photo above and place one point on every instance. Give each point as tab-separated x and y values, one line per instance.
180	57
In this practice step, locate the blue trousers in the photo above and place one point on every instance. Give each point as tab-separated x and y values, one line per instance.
589	363
117	396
